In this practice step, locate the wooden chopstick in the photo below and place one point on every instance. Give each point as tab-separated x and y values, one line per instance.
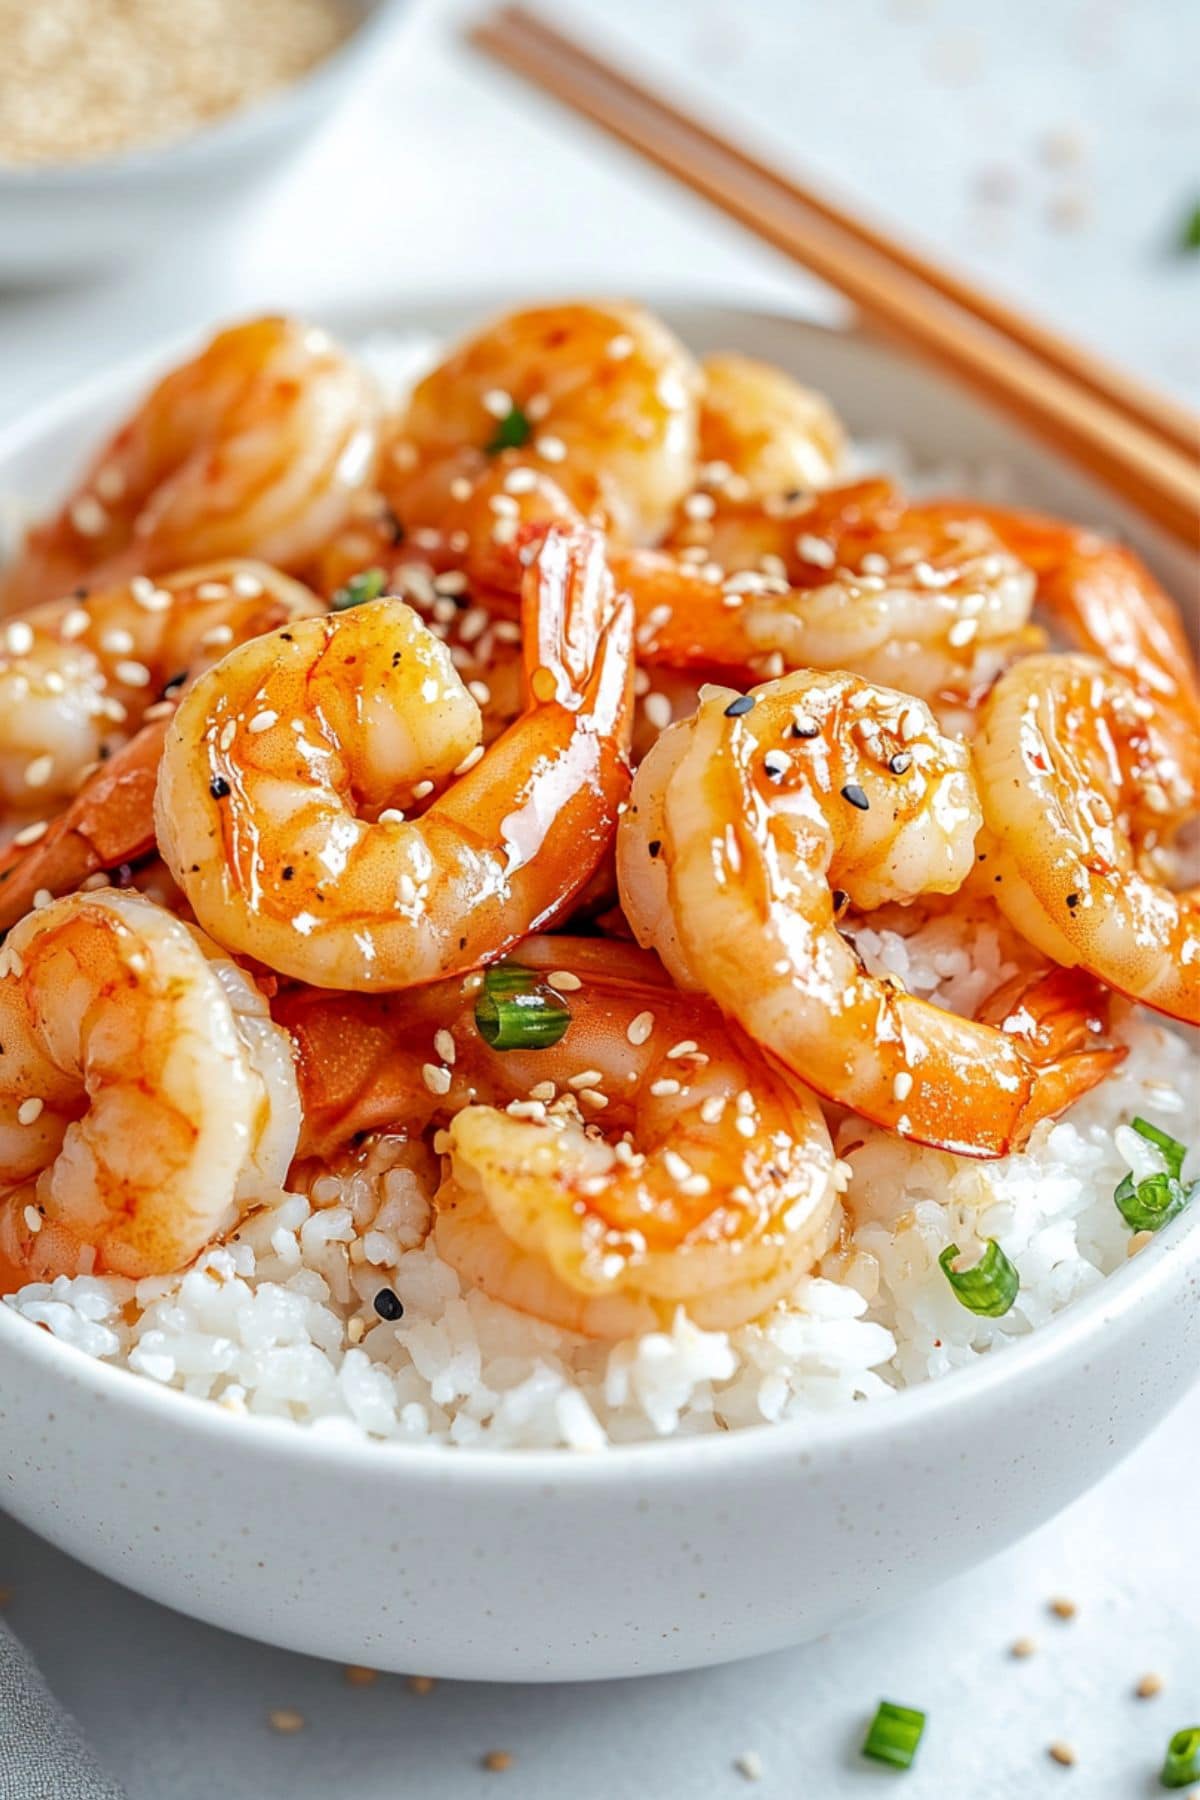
1135	450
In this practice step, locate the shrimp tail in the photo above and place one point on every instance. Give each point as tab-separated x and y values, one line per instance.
110	821
1056	1017
1061	1083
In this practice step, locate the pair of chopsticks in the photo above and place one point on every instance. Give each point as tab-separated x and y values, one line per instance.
1140	444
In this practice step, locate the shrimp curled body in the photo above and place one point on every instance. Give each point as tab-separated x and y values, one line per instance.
144	1092
742	822
668	1163
286	768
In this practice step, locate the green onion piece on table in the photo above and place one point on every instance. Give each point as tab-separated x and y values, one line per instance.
1182	1764
894	1735
516	1010
988	1289
1189	230
511	433
368	584
1149	1204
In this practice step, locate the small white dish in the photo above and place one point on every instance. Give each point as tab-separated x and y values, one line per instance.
539	1566
69	218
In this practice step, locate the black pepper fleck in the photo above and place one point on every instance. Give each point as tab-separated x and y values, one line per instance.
654	846
388	1305
1072	901
288	872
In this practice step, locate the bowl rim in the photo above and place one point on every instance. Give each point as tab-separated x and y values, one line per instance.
228	134
1147	1279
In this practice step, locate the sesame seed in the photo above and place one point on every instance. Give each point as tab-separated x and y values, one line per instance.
133	674
856	796
1022	1647
422	790
743	704
356	1331
776	763
18	637
910	724
496	1761
110	482
749	1764
685	1047
667	1084
31	833
593	1096
712	1110
388	1305
443	1043
657	709
421	1685
505	506
480	692
263	721
42	897
437	1080
33	1219
1062	1608
469	760
356	1674
504	531
619	347
902	1085
74	624
216	636
526	1109
117	641
694	1187
551	449
962	631
699	506
744	1125
212	590
88	516
498	402
543	1090
285	1719
461	489
639	1029
39	771
246	585
815	550
1148	1686
1062	1753
564	981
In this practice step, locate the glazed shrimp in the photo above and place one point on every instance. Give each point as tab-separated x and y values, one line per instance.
663	1162
744	819
256	447
1081	787
77	676
110	818
1102	597
857	580
286	766
602	397
145	1094
763	434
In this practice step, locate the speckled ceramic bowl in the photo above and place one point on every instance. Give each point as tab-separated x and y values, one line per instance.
542	1565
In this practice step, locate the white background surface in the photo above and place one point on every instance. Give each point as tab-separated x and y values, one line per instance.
1082	115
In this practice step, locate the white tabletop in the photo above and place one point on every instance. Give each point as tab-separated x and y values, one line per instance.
1046	147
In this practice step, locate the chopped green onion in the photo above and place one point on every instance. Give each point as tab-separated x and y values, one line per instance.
1182	1764
1149	1204
368	584
518	1011
894	1735
511	433
1189	231
988	1289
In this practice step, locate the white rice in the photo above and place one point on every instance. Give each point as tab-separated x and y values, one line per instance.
268	1323
280	1320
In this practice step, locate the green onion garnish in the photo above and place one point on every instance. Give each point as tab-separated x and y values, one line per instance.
1181	1765
518	1011
988	1289
368	584
1149	1204
513	430
1189	231
894	1735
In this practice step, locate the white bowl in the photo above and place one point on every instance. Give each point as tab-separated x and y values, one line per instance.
536	1565
68	218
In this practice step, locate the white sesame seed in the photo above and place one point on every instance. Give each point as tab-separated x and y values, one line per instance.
521	481
39	771
29	1110
30	834
498	402
619	347
657	709
88	516
639	1029
685	1047
42	897
228	733
212	590
422	790
161	709
469	760
33	1219
667	1084
749	1764
745	1125
74	624
902	1085
18	637
713	1109
443	1043
117	641
451	581
507	631
461	489
504	531
526	1109
505	505
473	624
110	482
962	631
815	550
777	763
675	1165
551	449
132	674
699	506
391	815
593	1097
263	721
564	981
586	1078
247	585
480	692
436	1080
543	1090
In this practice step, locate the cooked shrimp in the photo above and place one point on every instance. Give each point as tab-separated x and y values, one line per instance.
256	447
1081	787
286	766
662	1161
1101	596
602	397
858	580
145	1094
742	823
77	676
763	434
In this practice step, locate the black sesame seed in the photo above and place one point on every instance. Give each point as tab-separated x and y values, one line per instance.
901	762
856	796
168	687
743	704
218	787
804	731
388	1305
840	897
288	872
654	846
1072	901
